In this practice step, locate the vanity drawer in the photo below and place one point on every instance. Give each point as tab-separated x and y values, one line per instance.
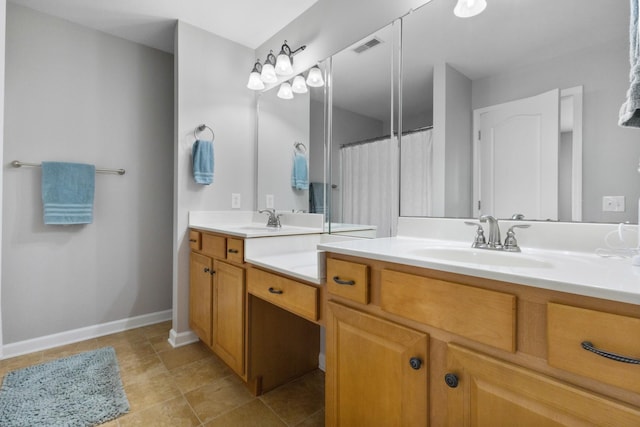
194	240
289	294
348	279
569	327
215	246
479	314
235	250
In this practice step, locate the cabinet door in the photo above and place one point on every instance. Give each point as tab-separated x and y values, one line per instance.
489	392
376	371
200	296
228	314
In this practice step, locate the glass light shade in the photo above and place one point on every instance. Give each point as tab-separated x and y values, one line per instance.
314	79
285	91
299	85
268	74
283	65
255	83
469	8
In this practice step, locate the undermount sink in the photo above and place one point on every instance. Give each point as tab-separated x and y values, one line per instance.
482	257
257	228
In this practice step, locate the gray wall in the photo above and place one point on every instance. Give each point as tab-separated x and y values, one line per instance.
610	152
210	88
74	94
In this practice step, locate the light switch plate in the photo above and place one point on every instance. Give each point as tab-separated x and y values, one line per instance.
235	201
613	204
269	201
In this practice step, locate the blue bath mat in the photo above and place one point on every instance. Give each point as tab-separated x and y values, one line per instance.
82	390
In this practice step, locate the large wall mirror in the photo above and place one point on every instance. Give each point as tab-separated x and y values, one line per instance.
521	100
290	131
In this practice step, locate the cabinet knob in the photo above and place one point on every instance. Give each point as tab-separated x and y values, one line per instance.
206	269
415	363
210	271
451	380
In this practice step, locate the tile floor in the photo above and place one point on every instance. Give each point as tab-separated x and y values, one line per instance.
189	386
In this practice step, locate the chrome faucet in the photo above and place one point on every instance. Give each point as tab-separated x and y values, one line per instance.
494	241
274	220
510	242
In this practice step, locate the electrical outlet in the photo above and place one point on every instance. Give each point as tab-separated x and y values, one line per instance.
613	204
235	200
269	201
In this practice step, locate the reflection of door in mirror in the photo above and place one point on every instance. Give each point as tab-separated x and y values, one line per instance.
516	158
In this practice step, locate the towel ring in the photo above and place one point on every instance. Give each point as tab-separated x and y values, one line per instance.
300	147
200	129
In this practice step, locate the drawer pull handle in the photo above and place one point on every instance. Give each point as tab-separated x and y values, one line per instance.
618	358
276	291
451	380
193	240
343	282
415	363
233	251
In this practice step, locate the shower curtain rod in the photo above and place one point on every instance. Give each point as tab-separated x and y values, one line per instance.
378	138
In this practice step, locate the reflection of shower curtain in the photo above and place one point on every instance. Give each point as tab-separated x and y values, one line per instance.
416	173
370	185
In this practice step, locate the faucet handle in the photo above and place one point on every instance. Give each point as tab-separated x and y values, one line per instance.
510	242
479	240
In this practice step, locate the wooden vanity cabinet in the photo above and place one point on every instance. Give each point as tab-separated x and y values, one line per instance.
376	373
496	353
263	325
217	297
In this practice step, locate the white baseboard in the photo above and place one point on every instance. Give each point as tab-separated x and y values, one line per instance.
183	338
322	362
89	332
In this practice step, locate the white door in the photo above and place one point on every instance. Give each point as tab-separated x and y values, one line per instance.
516	158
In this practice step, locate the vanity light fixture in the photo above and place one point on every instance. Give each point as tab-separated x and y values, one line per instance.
469	8
268	74
285	91
299	85
314	79
283	63
255	83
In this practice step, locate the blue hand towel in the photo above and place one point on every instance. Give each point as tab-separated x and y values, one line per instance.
630	110
300	173
67	192
203	161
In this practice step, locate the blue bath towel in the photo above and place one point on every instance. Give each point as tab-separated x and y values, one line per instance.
300	173
630	110
203	161
67	192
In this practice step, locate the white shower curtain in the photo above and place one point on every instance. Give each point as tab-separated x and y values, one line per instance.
416	173
369	177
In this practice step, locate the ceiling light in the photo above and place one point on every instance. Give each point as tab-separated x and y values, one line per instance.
285	91
283	63
268	74
299	85
314	79
469	8
255	83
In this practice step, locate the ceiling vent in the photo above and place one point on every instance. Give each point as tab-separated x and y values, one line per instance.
367	45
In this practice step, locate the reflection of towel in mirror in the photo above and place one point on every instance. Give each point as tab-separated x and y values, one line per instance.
67	192
203	162
300	173
316	197
630	110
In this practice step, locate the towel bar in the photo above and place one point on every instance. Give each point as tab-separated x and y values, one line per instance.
17	164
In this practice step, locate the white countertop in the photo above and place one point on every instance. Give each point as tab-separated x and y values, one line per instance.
249	224
580	273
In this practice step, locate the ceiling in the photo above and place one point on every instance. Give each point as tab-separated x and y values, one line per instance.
151	22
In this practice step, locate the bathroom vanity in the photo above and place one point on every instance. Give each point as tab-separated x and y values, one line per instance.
421	332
